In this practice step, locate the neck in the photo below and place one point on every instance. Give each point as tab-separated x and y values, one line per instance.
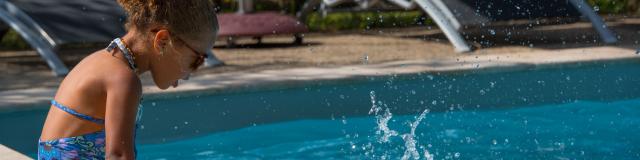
138	47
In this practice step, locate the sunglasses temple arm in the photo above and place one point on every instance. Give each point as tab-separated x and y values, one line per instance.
211	60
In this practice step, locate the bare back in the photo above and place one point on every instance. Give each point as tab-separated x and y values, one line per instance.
84	90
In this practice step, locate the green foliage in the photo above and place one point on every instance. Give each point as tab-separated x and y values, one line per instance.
13	41
609	6
363	20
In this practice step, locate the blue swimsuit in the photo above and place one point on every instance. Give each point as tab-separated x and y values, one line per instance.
87	146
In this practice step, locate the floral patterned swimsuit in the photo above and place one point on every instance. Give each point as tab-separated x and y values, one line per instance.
90	145
87	146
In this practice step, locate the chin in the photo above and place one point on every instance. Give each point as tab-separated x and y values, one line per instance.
163	87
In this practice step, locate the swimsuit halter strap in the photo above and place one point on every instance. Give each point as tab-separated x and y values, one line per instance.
77	114
125	51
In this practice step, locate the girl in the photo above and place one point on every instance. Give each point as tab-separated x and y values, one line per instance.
93	114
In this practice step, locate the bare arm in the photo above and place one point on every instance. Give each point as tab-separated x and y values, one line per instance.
123	96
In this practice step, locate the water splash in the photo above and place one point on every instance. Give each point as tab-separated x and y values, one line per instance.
374	107
382	120
383	126
385	133
410	142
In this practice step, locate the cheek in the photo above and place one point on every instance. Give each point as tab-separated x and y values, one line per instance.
166	71
180	66
185	61
161	77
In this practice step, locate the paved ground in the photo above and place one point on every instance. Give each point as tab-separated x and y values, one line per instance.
8	153
27	79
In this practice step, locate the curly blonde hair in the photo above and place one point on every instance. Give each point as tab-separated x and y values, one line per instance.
189	18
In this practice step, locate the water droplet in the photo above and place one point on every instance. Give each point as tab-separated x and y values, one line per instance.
153	103
482	92
427	155
493	32
175	127
517	7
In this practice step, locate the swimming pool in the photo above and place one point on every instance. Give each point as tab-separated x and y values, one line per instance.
559	112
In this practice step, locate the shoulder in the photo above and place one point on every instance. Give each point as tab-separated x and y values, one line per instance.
123	82
126	80
116	75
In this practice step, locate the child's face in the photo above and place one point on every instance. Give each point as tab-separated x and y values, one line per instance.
180	58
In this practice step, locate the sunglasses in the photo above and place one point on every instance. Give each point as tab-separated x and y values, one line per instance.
200	57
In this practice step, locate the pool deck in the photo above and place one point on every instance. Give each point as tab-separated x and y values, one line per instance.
460	62
349	54
8	153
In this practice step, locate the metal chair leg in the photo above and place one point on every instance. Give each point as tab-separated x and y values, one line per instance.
585	9
445	25
34	35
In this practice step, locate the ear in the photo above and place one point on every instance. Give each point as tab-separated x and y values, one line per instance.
161	40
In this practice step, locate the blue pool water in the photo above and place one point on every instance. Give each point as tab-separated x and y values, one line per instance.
577	111
578	130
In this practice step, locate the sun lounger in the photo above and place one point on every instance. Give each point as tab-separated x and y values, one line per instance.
246	23
257	25
47	24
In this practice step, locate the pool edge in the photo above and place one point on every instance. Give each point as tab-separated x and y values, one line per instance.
8	153
276	79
